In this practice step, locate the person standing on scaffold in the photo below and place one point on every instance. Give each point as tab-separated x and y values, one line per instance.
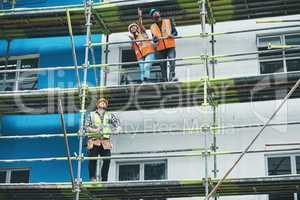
101	124
143	50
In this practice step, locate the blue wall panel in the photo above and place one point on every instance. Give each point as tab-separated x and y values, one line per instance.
53	52
42	3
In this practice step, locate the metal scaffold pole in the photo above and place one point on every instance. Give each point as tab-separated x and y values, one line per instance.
106	51
74	55
94	63
84	88
205	105
214	146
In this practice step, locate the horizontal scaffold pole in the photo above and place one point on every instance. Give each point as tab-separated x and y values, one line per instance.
162	155
277	21
219	58
141	132
196	35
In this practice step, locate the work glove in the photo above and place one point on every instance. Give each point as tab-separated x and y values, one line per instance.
155	39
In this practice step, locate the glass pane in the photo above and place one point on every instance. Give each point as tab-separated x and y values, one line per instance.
298	164
20	176
128	55
29	63
10	65
292	39
265	41
129	172
2	176
293	65
131	72
271	67
155	171
281	197
279	166
292	53
28	80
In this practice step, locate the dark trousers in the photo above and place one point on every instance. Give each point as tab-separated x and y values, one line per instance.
94	152
170	54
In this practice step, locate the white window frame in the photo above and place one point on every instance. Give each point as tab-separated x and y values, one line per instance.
10	170
282	37
19	59
292	160
141	164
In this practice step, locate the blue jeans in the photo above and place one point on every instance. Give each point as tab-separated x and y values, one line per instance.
145	67
170	54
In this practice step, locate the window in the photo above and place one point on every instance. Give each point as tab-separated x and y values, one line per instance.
277	60
283	165
14	175
11	81
144	170
131	73
279	166
298	164
129	172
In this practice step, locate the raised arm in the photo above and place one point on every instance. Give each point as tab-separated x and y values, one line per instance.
115	123
140	21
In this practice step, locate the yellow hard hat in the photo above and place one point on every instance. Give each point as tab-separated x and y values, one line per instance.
102	100
133	24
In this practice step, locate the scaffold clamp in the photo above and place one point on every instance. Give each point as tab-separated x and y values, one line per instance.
79	157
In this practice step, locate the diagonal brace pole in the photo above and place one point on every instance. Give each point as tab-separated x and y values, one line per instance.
61	111
290	93
73	47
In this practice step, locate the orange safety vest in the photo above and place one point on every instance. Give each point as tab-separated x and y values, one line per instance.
165	31
142	48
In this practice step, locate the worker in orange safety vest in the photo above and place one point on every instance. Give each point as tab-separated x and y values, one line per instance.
163	32
143	47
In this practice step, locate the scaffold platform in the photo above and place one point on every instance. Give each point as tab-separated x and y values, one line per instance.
115	16
153	96
150	189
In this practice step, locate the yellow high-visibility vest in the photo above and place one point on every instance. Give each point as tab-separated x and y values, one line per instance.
97	122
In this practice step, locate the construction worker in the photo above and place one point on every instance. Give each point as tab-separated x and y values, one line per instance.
101	124
144	50
163	32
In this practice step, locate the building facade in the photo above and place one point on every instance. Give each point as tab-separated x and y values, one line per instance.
57	52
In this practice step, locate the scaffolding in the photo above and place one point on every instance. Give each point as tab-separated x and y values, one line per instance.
110	17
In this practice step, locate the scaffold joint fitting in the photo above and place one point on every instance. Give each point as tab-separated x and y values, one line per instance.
84	87
89	44
85	65
80	157
205	128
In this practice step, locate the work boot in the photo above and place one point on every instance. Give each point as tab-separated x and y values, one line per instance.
93	179
174	79
146	80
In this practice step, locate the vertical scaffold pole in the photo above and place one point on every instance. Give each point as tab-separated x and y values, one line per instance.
203	28
106	51
205	104
214	144
73	47
93	61
84	88
205	130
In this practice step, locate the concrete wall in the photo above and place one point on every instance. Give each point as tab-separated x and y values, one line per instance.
252	165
